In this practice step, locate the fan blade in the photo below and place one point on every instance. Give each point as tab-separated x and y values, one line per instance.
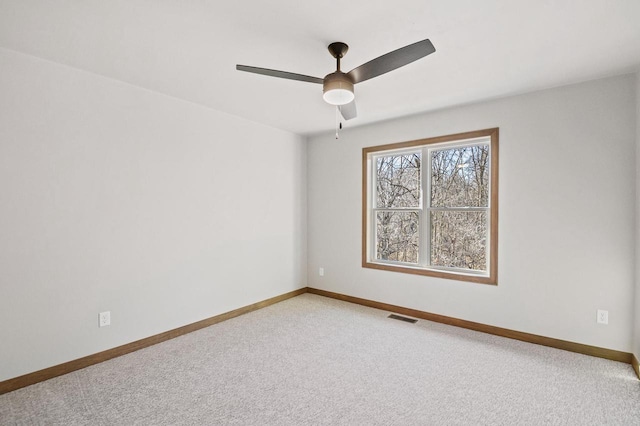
392	60
348	111
281	74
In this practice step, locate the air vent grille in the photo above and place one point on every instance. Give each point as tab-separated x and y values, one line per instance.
401	318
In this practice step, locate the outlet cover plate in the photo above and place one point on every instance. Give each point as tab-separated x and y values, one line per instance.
104	319
603	317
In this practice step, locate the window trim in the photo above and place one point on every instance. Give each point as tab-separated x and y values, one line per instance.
367	209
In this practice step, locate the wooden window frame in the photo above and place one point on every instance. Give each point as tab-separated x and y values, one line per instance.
367	208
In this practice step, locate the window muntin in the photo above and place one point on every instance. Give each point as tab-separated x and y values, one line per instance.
430	206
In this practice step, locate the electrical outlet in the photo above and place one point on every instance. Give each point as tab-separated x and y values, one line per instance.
321	272
104	319
603	317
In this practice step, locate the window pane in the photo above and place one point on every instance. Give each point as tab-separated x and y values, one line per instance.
398	179
397	236
459	239
460	177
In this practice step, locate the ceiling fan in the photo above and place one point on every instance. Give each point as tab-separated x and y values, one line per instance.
338	86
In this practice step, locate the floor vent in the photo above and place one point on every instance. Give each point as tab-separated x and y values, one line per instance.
401	318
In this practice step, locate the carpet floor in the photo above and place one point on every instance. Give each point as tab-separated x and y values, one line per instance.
311	360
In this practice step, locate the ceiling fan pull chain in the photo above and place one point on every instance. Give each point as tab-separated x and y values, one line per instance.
338	124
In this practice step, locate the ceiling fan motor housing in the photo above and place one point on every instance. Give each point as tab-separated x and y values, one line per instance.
337	88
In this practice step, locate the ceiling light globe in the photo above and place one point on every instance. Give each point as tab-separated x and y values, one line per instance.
338	96
338	89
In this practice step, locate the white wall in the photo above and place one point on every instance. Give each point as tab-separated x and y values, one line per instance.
117	198
567	201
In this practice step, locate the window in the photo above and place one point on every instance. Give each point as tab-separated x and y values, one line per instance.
430	207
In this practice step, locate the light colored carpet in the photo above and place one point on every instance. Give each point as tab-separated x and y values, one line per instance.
313	360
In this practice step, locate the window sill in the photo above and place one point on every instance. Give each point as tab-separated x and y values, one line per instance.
436	273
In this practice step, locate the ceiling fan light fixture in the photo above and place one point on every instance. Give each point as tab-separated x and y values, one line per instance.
338	86
338	96
337	89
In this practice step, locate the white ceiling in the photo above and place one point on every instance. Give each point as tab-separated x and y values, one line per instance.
189	49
